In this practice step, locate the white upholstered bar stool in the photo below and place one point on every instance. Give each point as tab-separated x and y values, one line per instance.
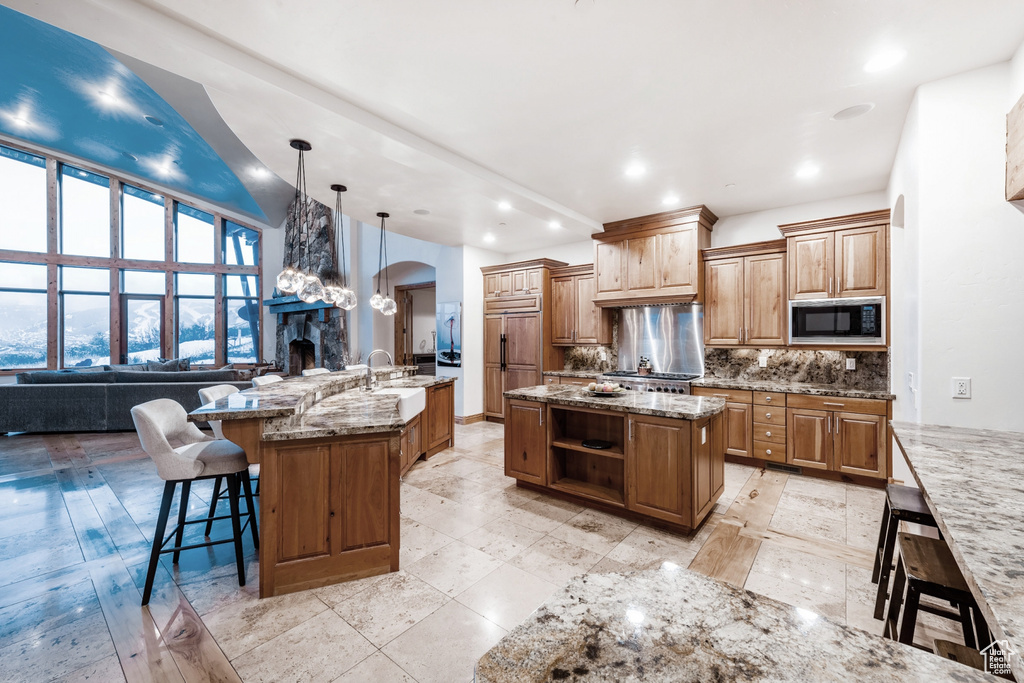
201	457
209	395
266	379
315	371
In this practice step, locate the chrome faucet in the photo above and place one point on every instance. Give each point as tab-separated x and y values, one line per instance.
371	379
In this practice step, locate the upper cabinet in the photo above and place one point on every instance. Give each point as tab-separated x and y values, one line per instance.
575	319
745	294
516	279
838	257
652	259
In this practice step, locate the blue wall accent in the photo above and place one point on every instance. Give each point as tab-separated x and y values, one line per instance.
68	94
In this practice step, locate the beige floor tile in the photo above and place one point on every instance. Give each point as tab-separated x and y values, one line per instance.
339	592
240	626
502	539
828	605
457	520
647	548
207	595
507	596
786	564
417	503
502	501
555	561
444	647
454	488
107	670
57	652
458	466
544	514
816	488
390	607
610	566
860	601
419	540
815	521
862	527
491	477
317	650
376	668
596	531
454	568
47	612
865	497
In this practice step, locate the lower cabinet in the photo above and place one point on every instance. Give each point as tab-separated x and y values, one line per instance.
411	443
736	418
810	438
526	442
840	435
431	431
859	446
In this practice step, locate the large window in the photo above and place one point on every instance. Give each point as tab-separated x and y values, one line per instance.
84	213
85	316
194	242
23	319
23	198
241	245
242	307
196	316
142	225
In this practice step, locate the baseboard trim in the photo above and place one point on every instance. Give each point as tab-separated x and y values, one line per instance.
469	419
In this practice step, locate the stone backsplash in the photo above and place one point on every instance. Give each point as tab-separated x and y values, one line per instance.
800	365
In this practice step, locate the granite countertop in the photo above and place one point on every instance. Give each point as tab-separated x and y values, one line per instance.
783	386
582	374
972	481
289	396
676	625
637	402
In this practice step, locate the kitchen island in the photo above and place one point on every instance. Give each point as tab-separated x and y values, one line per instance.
330	456
642	455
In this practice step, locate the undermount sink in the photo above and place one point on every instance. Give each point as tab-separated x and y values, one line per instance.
411	400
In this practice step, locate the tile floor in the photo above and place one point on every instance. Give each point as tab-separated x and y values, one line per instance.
478	555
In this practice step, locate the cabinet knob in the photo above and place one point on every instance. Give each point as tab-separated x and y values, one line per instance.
767	433
768	451
767	399
768	416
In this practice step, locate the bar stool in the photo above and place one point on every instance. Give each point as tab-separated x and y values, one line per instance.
200	458
209	395
266	379
927	567
902	504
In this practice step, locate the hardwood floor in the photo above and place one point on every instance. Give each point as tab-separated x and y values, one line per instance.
77	514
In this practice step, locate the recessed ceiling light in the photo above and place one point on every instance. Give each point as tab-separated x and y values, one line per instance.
884	59
853	112
20	121
671	199
729	186
421	212
504	206
807	170
635	170
488	238
154	120
260	172
107	97
554	225
129	156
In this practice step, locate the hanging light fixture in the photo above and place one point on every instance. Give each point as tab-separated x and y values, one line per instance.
383	303
338	292
292	278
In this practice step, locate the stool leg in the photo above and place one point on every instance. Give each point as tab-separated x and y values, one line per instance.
247	486
967	624
909	624
257	493
158	538
883	533
186	487
885	565
236	525
895	601
213	506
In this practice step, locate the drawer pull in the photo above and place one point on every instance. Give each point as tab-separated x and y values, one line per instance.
721	395
834	404
768	451
768	434
768	416
767	399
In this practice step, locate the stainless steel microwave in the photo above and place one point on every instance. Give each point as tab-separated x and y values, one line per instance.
838	321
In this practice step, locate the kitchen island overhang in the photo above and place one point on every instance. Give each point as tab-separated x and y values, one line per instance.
641	455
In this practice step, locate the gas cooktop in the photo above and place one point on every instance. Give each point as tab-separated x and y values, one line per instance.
663	376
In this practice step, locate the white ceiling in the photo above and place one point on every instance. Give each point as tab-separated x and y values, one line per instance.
456	105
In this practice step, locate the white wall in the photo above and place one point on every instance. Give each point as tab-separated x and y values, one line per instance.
573	253
273	260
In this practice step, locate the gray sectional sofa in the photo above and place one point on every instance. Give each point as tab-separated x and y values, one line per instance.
101	399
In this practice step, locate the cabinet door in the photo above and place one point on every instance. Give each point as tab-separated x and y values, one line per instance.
678	260
439	415
737	429
526	445
504	284
860	262
593	323
657	462
811	266
519	285
522	342
491	286
809	434
535	281
723	312
608	267
494	327
563	310
363	498
860	444
642	264
765	297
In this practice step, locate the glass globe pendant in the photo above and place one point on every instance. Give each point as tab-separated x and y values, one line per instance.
389	307
380	301
377	301
331	294
288	280
346	300
312	289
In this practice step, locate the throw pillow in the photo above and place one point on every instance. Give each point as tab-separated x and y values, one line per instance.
172	365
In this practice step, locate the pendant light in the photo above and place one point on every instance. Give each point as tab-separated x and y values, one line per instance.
292	278
338	292
385	304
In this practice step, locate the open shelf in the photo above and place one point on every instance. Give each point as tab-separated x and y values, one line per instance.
577	445
589	490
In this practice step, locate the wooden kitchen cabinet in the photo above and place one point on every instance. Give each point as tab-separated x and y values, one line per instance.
658	461
745	299
652	259
575	319
810	438
411	444
860	444
526	445
439	417
737	436
838	257
839	434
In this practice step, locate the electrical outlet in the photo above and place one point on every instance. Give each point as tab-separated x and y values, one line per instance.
910	380
961	387
762	361
851	363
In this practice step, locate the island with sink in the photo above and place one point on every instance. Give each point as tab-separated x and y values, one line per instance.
331	450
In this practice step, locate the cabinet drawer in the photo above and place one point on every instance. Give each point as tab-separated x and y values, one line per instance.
770	415
731	395
770	433
549	379
512	304
576	381
769	398
770	451
866	406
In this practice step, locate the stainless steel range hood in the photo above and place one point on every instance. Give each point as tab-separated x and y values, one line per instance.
672	337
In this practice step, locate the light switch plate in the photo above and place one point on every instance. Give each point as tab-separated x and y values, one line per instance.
851	363
762	361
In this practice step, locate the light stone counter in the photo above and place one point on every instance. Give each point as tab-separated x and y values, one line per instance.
973	481
637	402
676	625
787	387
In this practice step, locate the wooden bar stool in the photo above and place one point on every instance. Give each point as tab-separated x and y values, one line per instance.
927	567
902	504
